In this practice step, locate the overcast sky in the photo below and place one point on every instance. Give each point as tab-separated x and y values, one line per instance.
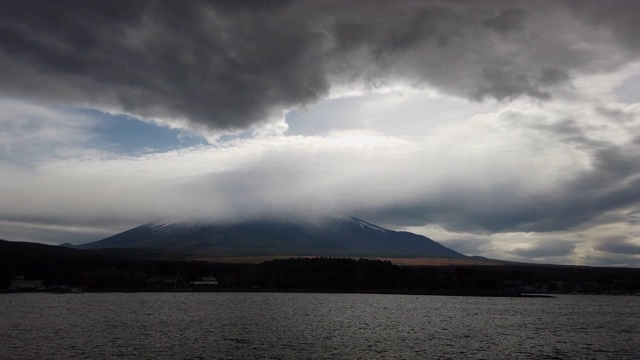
507	129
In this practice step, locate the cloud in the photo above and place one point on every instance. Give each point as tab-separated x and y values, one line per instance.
507	21
471	168
222	65
34	133
619	245
619	16
53	234
543	249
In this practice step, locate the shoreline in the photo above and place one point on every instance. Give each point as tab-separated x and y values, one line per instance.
300	291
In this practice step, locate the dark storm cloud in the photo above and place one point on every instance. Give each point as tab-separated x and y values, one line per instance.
618	245
622	17
231	64
504	84
218	64
506	21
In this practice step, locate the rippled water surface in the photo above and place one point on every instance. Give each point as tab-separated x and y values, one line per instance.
316	326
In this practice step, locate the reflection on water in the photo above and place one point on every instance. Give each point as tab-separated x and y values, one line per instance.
315	326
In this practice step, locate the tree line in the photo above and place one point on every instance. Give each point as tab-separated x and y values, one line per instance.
98	271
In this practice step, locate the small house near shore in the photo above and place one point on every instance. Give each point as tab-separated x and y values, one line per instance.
207	282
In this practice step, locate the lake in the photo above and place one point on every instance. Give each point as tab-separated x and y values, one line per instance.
316	326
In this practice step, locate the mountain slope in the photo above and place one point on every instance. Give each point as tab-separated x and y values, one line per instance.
335	235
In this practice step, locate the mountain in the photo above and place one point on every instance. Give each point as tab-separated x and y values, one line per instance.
330	235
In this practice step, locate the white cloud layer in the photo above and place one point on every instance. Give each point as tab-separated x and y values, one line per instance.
496	180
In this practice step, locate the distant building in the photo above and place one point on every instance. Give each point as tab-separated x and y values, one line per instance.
207	282
19	283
